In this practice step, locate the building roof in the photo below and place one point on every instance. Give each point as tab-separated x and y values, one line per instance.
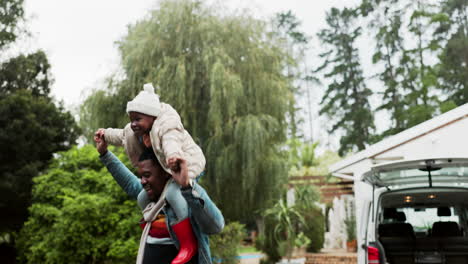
403	137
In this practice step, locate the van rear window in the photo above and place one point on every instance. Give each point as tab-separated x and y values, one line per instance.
423	220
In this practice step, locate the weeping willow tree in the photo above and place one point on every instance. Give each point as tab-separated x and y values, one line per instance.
224	74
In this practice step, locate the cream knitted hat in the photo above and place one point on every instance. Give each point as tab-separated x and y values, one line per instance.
146	102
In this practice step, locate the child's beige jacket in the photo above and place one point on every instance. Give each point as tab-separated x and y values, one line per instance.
168	138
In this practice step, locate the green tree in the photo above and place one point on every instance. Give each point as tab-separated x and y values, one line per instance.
420	76
386	23
31	72
79	214
32	126
407	41
346	98
294	40
11	12
224	74
31	130
452	69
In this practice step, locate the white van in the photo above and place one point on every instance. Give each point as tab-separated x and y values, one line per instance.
418	213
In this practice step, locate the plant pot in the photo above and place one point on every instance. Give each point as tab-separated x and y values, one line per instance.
299	252
351	246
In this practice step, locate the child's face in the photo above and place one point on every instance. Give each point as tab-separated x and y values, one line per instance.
141	123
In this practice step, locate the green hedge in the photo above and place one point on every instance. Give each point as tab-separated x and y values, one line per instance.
315	228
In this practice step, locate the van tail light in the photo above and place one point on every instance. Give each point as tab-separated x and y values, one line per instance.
372	255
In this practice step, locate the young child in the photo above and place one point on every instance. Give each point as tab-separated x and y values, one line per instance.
157	125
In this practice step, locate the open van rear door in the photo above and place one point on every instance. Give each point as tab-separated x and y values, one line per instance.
447	172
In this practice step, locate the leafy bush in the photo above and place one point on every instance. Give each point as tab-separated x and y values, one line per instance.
225	245
306	199
79	214
314	228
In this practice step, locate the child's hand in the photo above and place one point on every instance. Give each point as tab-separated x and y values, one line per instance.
101	144
181	175
174	163
100	133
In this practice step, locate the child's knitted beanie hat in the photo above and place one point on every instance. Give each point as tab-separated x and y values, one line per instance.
146	102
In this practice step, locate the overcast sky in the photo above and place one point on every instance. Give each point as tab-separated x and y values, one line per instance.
79	36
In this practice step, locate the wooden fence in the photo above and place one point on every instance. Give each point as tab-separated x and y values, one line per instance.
328	190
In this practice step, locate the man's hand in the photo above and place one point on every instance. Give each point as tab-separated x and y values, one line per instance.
181	176
101	144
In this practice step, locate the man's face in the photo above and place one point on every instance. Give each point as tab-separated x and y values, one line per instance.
153	178
140	123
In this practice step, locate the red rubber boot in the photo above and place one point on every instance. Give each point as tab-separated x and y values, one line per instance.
188	242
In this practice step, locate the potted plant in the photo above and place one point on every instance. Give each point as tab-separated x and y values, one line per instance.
351	243
286	219
300	245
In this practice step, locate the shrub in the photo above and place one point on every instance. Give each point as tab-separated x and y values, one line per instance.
314	228
225	245
79	214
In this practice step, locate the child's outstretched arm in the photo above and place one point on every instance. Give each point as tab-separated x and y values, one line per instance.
124	177
113	136
101	144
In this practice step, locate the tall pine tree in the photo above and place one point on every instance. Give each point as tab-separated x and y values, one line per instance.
346	100
405	48
386	22
452	70
420	79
